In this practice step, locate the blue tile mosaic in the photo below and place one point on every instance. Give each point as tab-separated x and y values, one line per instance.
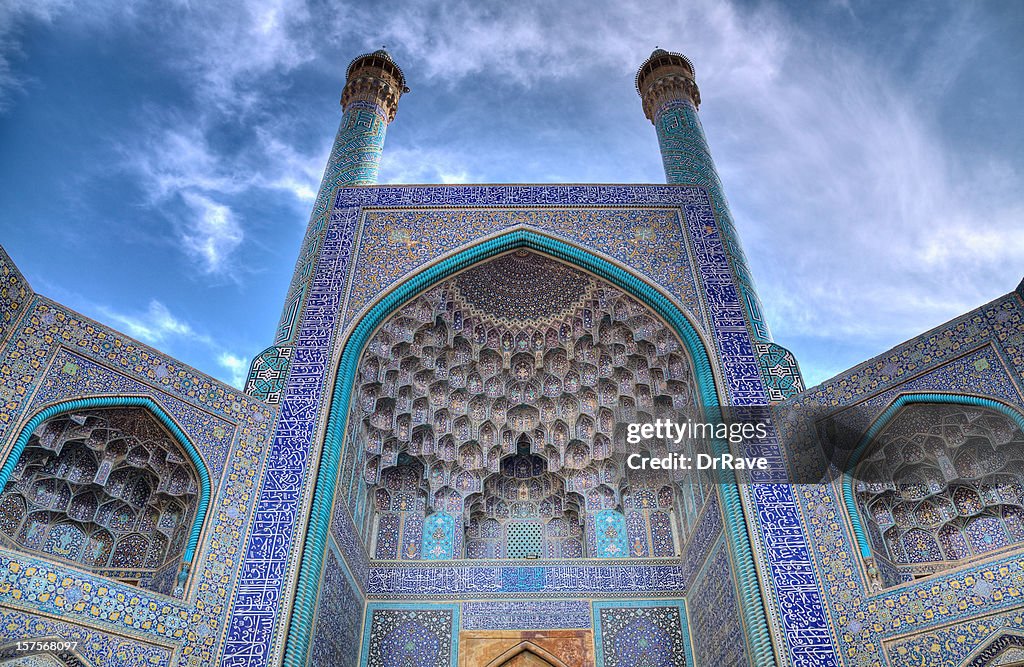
526	615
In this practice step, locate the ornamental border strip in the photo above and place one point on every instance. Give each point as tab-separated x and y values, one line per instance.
125	402
788	568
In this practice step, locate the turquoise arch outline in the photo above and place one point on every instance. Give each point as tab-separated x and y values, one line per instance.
299	628
124	402
863	543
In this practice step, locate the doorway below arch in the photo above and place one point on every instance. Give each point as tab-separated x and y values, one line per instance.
526	648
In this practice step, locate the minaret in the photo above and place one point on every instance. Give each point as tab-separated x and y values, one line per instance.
668	89
369	102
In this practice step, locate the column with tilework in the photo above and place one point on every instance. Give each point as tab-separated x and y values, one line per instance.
369	103
668	89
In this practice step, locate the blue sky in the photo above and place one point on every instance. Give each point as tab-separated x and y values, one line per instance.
158	159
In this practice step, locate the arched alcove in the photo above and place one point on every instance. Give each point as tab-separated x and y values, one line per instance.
107	486
335	482
509	385
524	511
937	483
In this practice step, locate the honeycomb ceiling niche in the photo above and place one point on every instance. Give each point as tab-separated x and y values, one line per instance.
519	351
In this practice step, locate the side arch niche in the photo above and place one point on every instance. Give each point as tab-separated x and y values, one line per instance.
115	489
498	398
1004	649
936	484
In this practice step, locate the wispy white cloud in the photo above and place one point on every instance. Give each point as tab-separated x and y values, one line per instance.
14	16
158	326
155	326
860	220
534	41
175	164
287	168
231	52
176	156
212	234
237	366
424	165
230	59
176	159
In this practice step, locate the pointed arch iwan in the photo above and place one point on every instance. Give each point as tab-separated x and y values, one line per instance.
314	546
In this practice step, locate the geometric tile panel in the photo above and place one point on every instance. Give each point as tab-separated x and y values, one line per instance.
780	371
524	540
268	374
610	533
704	538
439	539
409	636
643	635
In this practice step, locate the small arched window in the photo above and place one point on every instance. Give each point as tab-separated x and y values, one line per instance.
108	489
400	505
941	483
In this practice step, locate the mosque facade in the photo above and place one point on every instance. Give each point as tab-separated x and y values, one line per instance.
427	467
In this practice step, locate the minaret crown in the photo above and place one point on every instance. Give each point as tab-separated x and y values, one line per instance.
663	78
374	77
